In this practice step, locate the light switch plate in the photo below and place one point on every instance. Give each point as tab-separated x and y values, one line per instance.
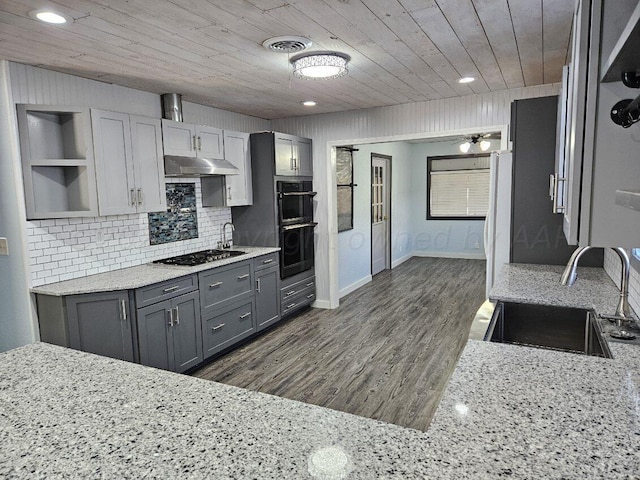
4	246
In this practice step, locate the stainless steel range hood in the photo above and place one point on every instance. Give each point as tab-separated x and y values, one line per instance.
191	166
194	167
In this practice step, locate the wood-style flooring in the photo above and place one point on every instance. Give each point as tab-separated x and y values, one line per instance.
386	353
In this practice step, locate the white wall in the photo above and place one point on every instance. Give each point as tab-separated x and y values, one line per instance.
60	249
400	122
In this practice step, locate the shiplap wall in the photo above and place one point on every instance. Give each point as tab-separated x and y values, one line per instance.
385	124
71	248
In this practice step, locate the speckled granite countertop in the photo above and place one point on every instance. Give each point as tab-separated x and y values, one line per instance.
507	411
141	275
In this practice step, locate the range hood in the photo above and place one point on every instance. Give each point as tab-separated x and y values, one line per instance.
191	166
195	167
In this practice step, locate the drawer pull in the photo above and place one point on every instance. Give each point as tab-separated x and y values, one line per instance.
214	285
310	295
291	306
288	294
268	261
310	284
171	289
242	277
217	327
248	314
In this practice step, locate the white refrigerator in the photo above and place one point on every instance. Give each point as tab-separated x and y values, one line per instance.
497	226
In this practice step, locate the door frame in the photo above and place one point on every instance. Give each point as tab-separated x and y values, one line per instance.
387	199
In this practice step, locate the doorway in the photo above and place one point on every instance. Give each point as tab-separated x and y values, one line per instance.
380	213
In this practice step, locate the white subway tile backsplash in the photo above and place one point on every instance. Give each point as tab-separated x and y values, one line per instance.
613	268
63	249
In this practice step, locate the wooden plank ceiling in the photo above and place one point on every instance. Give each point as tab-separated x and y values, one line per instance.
211	51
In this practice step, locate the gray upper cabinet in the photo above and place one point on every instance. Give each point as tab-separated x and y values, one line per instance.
170	334
129	163
188	140
292	155
57	161
100	323
600	156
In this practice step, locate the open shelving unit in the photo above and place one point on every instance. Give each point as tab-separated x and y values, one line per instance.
57	161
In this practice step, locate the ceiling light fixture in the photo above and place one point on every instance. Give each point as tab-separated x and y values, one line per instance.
466	79
320	66
49	16
464	147
309	103
484	145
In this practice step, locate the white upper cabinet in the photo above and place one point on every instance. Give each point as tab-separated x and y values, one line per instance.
600	156
129	163
57	161
236	150
187	140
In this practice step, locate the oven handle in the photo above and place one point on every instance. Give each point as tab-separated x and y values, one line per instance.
298	226
297	194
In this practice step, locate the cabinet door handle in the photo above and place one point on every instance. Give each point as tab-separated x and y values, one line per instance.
554	183
123	309
288	294
199	143
170	313
140	197
214	285
267	261
248	314
177	317
132	197
195	145
228	193
242	277
217	327
171	289
258	285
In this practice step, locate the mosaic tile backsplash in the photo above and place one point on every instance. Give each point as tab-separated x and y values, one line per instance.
180	221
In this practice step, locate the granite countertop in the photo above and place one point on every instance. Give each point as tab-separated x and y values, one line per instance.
507	412
141	275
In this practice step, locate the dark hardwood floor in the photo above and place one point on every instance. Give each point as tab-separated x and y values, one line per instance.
385	353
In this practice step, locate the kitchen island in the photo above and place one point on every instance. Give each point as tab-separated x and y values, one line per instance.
508	411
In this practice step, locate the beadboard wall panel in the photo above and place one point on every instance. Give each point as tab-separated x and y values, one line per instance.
62	249
449	115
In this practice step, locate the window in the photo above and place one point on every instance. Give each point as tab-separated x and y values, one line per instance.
344	176
457	187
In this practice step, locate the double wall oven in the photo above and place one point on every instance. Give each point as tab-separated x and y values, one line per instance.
295	225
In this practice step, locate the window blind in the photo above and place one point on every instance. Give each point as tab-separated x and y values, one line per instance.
459	193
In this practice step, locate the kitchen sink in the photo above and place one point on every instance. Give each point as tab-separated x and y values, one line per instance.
544	326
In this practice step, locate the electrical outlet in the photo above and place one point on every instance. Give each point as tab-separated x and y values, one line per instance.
477	246
4	246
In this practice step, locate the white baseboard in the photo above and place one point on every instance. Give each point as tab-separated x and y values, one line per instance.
400	260
354	286
326	304
470	256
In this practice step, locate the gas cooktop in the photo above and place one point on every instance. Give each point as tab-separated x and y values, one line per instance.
198	258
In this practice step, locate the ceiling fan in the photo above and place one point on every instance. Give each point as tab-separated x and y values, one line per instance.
483	140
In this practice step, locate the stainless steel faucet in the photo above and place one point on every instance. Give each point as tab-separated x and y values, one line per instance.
622	315
225	243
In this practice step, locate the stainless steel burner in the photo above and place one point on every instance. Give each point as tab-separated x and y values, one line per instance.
198	258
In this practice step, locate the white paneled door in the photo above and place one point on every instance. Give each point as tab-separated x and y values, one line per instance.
380	255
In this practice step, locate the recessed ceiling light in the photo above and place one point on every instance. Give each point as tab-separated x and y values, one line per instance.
466	79
309	103
49	16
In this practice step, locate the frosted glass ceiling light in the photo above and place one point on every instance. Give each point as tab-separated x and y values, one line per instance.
484	145
49	16
320	66
464	147
466	79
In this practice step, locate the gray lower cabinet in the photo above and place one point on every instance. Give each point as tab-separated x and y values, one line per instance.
298	295
222	284
170	335
99	323
228	325
267	298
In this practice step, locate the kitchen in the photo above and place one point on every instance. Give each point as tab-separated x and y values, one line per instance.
465	114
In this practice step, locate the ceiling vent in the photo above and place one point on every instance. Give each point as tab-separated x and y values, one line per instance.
287	44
